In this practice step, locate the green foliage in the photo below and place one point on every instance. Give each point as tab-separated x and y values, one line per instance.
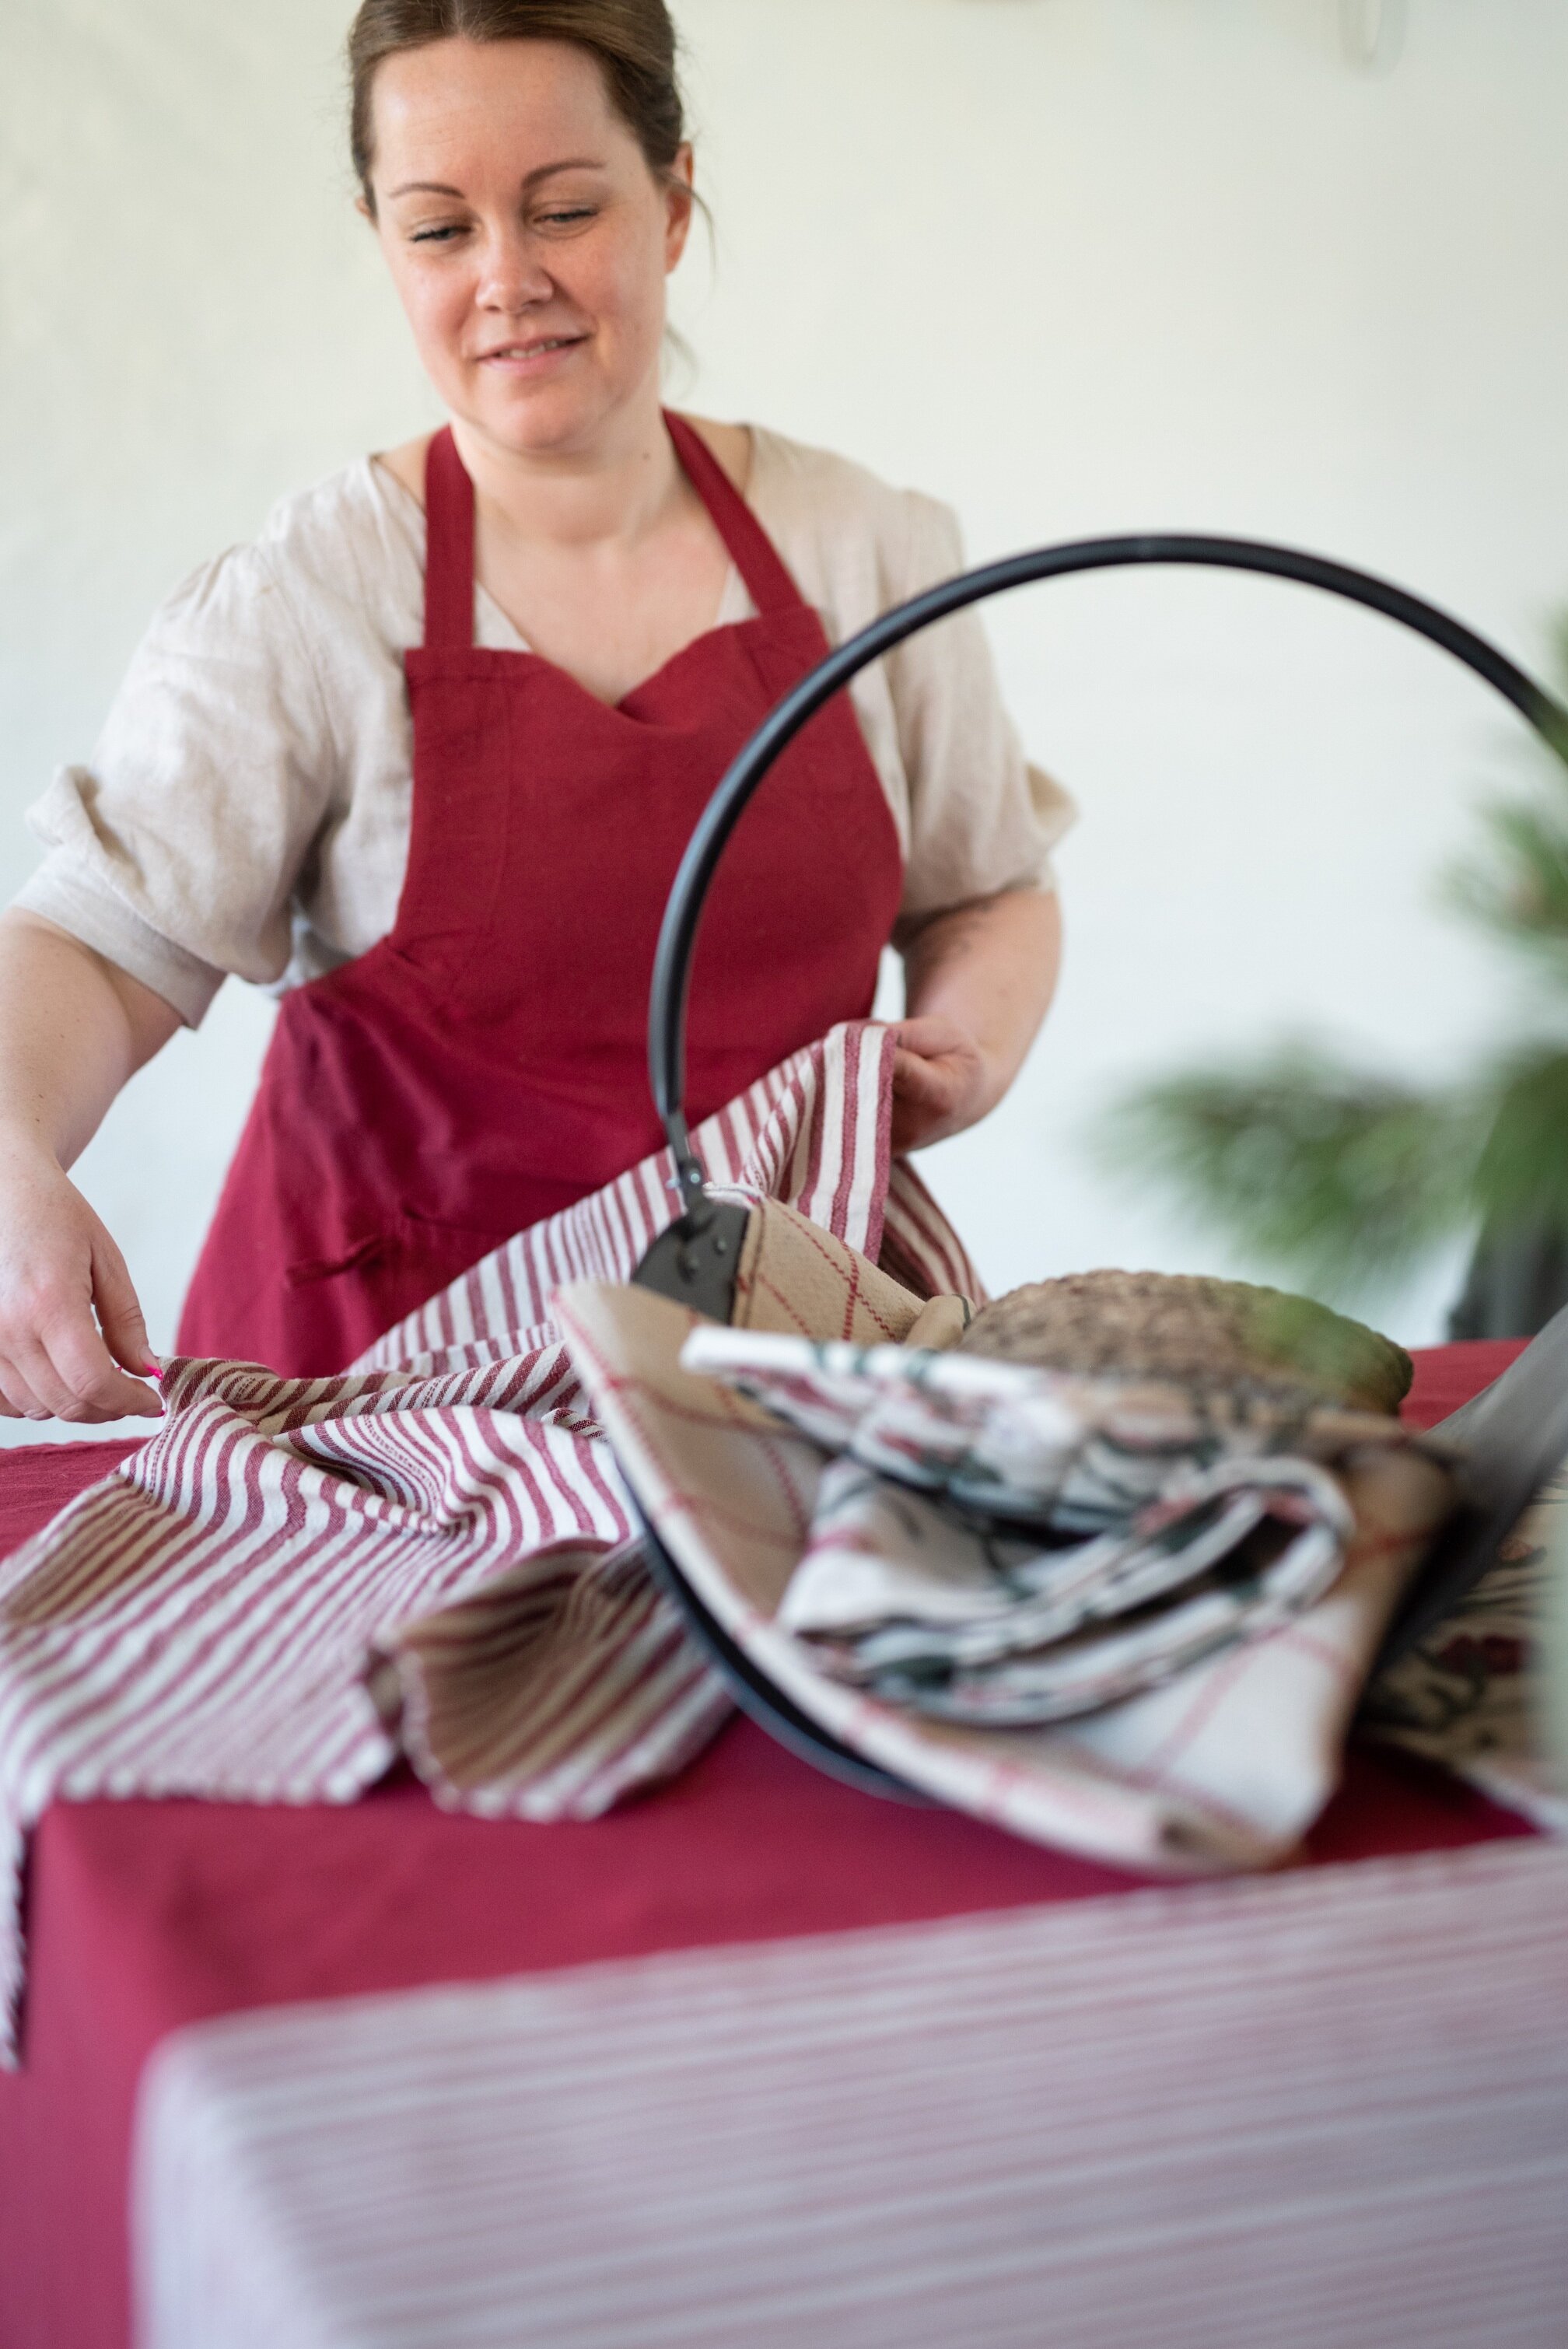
1344	1179
1520	890
1522	1178
1341	1179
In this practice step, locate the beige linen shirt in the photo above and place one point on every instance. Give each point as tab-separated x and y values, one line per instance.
247	806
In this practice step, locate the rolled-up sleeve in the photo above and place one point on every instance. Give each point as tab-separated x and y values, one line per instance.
981	819
176	851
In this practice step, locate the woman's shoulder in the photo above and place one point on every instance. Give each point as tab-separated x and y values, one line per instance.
354	531
344	552
836	517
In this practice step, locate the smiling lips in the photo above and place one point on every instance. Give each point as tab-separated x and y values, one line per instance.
525	353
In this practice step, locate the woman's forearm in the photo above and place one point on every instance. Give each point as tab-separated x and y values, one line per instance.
985	973
73	1030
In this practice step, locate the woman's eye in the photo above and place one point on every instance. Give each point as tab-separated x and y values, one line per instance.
434	235
571	219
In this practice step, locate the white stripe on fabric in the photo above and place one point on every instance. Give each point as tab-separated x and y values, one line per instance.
1322	2111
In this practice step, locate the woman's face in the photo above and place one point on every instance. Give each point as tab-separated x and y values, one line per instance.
527	236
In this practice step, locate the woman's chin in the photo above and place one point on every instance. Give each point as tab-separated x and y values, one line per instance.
543	418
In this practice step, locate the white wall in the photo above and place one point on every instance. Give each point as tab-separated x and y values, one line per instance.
1074	264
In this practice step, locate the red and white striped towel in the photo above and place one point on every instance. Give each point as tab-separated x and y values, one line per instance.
297	1579
1320	2111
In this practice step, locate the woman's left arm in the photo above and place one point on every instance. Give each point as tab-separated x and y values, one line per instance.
979	980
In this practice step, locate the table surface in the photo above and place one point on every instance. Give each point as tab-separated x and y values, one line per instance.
144	1917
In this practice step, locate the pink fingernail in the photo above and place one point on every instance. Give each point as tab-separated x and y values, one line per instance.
150	1373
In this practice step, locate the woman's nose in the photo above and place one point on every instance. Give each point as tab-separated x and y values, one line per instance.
513	277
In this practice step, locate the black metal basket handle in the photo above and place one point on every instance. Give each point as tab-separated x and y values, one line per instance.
683	914
695	1260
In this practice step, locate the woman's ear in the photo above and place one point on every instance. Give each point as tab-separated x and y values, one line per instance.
680	201
363	207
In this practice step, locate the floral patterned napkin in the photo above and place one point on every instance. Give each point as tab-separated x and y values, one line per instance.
995	1543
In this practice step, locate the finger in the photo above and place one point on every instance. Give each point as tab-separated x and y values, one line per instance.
931	1038
89	1384
20	1402
41	1390
925	1083
119	1308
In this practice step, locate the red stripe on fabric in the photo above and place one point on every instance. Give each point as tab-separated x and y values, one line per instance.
649	1647
805	1144
626	1252
585	1694
852	1124
881	1145
1222	1679
79	1738
614	1508
129	1626
257	1669
1339	1667
689	1714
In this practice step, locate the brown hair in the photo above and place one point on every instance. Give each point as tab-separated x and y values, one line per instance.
634	41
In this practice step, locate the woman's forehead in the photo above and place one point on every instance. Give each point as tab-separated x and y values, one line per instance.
526	103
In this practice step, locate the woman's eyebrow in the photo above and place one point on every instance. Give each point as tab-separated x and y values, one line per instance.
531	179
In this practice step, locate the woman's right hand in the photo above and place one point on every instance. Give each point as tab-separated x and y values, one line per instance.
70	1327
73	1029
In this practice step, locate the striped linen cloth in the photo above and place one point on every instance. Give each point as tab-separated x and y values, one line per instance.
296	1581
1322	2111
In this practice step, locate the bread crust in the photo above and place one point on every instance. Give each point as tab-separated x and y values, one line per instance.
1196	1330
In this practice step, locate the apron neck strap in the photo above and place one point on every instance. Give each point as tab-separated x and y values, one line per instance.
751	548
449	536
448	546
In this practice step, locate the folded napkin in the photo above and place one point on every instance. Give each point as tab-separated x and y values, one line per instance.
995	1543
1206	1750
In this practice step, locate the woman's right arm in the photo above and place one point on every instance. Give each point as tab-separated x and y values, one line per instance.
73	1029
175	856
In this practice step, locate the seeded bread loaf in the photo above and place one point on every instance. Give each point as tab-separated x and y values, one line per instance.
1202	1332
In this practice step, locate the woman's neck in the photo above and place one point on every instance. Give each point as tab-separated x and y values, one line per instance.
614	494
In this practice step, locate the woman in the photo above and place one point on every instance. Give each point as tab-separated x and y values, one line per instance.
425	755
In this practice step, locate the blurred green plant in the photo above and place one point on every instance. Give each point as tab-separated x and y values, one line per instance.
1345	1179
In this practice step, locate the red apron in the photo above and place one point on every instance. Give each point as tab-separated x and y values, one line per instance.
485	1065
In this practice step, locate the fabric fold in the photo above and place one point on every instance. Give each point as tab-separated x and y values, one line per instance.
296	1581
997	1543
1222	1765
435	1554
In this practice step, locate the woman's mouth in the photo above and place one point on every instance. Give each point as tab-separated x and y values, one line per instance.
524	358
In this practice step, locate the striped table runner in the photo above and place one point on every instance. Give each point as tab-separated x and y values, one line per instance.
296	1581
1321	2111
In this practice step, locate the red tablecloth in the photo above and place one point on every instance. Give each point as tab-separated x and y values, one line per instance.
144	1917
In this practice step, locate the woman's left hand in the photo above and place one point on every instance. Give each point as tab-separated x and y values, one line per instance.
978	979
941	1082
